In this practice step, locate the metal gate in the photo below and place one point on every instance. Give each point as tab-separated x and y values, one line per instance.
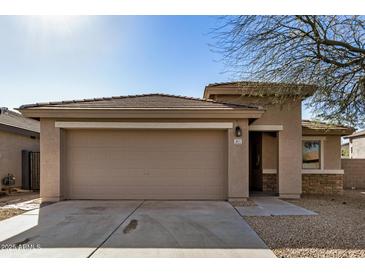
30	170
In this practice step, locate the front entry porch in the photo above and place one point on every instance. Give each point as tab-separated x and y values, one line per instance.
263	163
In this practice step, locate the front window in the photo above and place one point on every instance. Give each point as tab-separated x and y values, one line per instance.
312	154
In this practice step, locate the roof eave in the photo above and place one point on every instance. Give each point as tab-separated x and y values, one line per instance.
18	130
115	113
217	90
338	132
352	136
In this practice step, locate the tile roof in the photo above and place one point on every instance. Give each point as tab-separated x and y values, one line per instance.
145	101
316	125
267	88
14	119
356	134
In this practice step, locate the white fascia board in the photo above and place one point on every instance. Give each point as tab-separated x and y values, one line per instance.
323	171
269	171
266	128
141	125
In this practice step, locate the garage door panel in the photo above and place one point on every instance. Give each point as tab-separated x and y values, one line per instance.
120	164
84	173
104	138
136	185
118	153
147	193
147	160
152	182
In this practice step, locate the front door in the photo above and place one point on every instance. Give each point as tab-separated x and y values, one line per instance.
255	161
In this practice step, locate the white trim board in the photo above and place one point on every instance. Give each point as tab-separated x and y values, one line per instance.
269	171
266	128
323	171
141	125
313	138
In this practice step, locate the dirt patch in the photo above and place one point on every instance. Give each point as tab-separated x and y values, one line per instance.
9	212
338	230
18	198
12	199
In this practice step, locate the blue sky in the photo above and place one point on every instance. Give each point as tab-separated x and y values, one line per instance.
45	58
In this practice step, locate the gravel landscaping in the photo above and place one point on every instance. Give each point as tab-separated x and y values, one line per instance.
15	198
338	231
9	212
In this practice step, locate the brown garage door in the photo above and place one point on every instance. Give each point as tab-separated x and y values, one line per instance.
146	164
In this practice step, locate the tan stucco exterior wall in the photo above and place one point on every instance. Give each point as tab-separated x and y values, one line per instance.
357	147
288	115
238	165
52	149
269	151
11	146
332	152
50	166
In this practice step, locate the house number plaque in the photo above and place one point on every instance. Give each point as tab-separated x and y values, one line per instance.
237	141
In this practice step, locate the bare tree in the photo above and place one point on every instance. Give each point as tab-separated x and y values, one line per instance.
327	51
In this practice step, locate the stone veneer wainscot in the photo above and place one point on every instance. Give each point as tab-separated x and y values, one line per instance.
270	183
322	183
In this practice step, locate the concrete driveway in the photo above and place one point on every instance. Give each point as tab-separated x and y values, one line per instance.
131	229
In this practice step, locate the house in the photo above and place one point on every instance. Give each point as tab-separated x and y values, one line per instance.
356	145
17	133
240	138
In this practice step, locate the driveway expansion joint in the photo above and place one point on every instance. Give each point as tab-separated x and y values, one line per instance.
114	230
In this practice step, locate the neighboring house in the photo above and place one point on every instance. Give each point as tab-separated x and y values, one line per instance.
17	133
238	139
356	145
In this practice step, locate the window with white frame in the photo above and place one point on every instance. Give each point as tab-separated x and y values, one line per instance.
312	154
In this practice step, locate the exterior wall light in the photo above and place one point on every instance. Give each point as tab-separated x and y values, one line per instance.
238	131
